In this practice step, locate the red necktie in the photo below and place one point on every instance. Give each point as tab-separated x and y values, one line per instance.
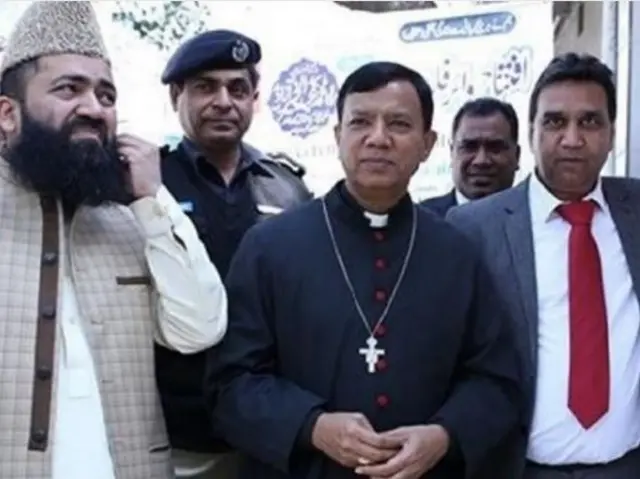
589	342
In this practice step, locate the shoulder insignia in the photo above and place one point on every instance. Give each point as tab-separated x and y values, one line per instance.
165	151
284	160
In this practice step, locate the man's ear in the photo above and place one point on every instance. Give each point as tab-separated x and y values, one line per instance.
9	116
336	133
174	93
430	138
612	139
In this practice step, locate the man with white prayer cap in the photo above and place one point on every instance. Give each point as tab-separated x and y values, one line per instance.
97	263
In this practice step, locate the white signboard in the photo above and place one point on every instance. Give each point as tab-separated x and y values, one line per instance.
310	47
496	50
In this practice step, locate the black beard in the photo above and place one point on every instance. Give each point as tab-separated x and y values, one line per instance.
79	172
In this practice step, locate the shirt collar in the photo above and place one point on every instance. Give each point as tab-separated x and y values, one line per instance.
341	202
248	159
460	198
543	204
376	220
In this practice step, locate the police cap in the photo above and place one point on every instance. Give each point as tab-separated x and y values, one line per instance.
212	50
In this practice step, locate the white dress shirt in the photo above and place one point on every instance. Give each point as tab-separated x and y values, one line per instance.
460	198
192	315
80	446
556	436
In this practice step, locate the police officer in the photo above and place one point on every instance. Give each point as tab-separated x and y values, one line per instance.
225	186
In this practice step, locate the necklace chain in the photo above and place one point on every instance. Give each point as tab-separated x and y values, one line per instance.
347	279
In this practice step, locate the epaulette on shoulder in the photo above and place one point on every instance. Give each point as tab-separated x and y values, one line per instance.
284	160
166	150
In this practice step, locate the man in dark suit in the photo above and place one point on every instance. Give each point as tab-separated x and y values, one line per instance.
564	247
485	154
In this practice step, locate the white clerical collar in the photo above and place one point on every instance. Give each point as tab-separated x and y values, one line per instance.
376	220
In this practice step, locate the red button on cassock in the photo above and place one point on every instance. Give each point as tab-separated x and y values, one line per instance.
378	235
380	331
382	364
380	295
382	400
380	263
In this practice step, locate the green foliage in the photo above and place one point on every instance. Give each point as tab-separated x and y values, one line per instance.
164	24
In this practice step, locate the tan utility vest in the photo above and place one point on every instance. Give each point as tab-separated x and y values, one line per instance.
114	295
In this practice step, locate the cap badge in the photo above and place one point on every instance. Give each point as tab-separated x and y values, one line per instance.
240	51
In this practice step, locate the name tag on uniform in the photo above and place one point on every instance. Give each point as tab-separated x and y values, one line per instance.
186	206
269	210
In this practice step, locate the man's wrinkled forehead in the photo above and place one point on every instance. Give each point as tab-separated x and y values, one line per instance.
396	98
493	126
223	76
572	99
55	69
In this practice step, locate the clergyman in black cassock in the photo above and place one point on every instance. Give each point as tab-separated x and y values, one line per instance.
364	343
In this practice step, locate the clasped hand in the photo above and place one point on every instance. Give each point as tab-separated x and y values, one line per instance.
403	453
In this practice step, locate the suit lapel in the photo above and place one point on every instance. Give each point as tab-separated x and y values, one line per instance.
447	202
626	219
451	199
519	236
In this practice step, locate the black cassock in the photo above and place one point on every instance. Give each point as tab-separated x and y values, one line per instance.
292	348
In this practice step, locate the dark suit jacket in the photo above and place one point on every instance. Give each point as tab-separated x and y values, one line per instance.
501	226
441	204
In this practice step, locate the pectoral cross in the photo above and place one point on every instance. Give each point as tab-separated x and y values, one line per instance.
371	354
